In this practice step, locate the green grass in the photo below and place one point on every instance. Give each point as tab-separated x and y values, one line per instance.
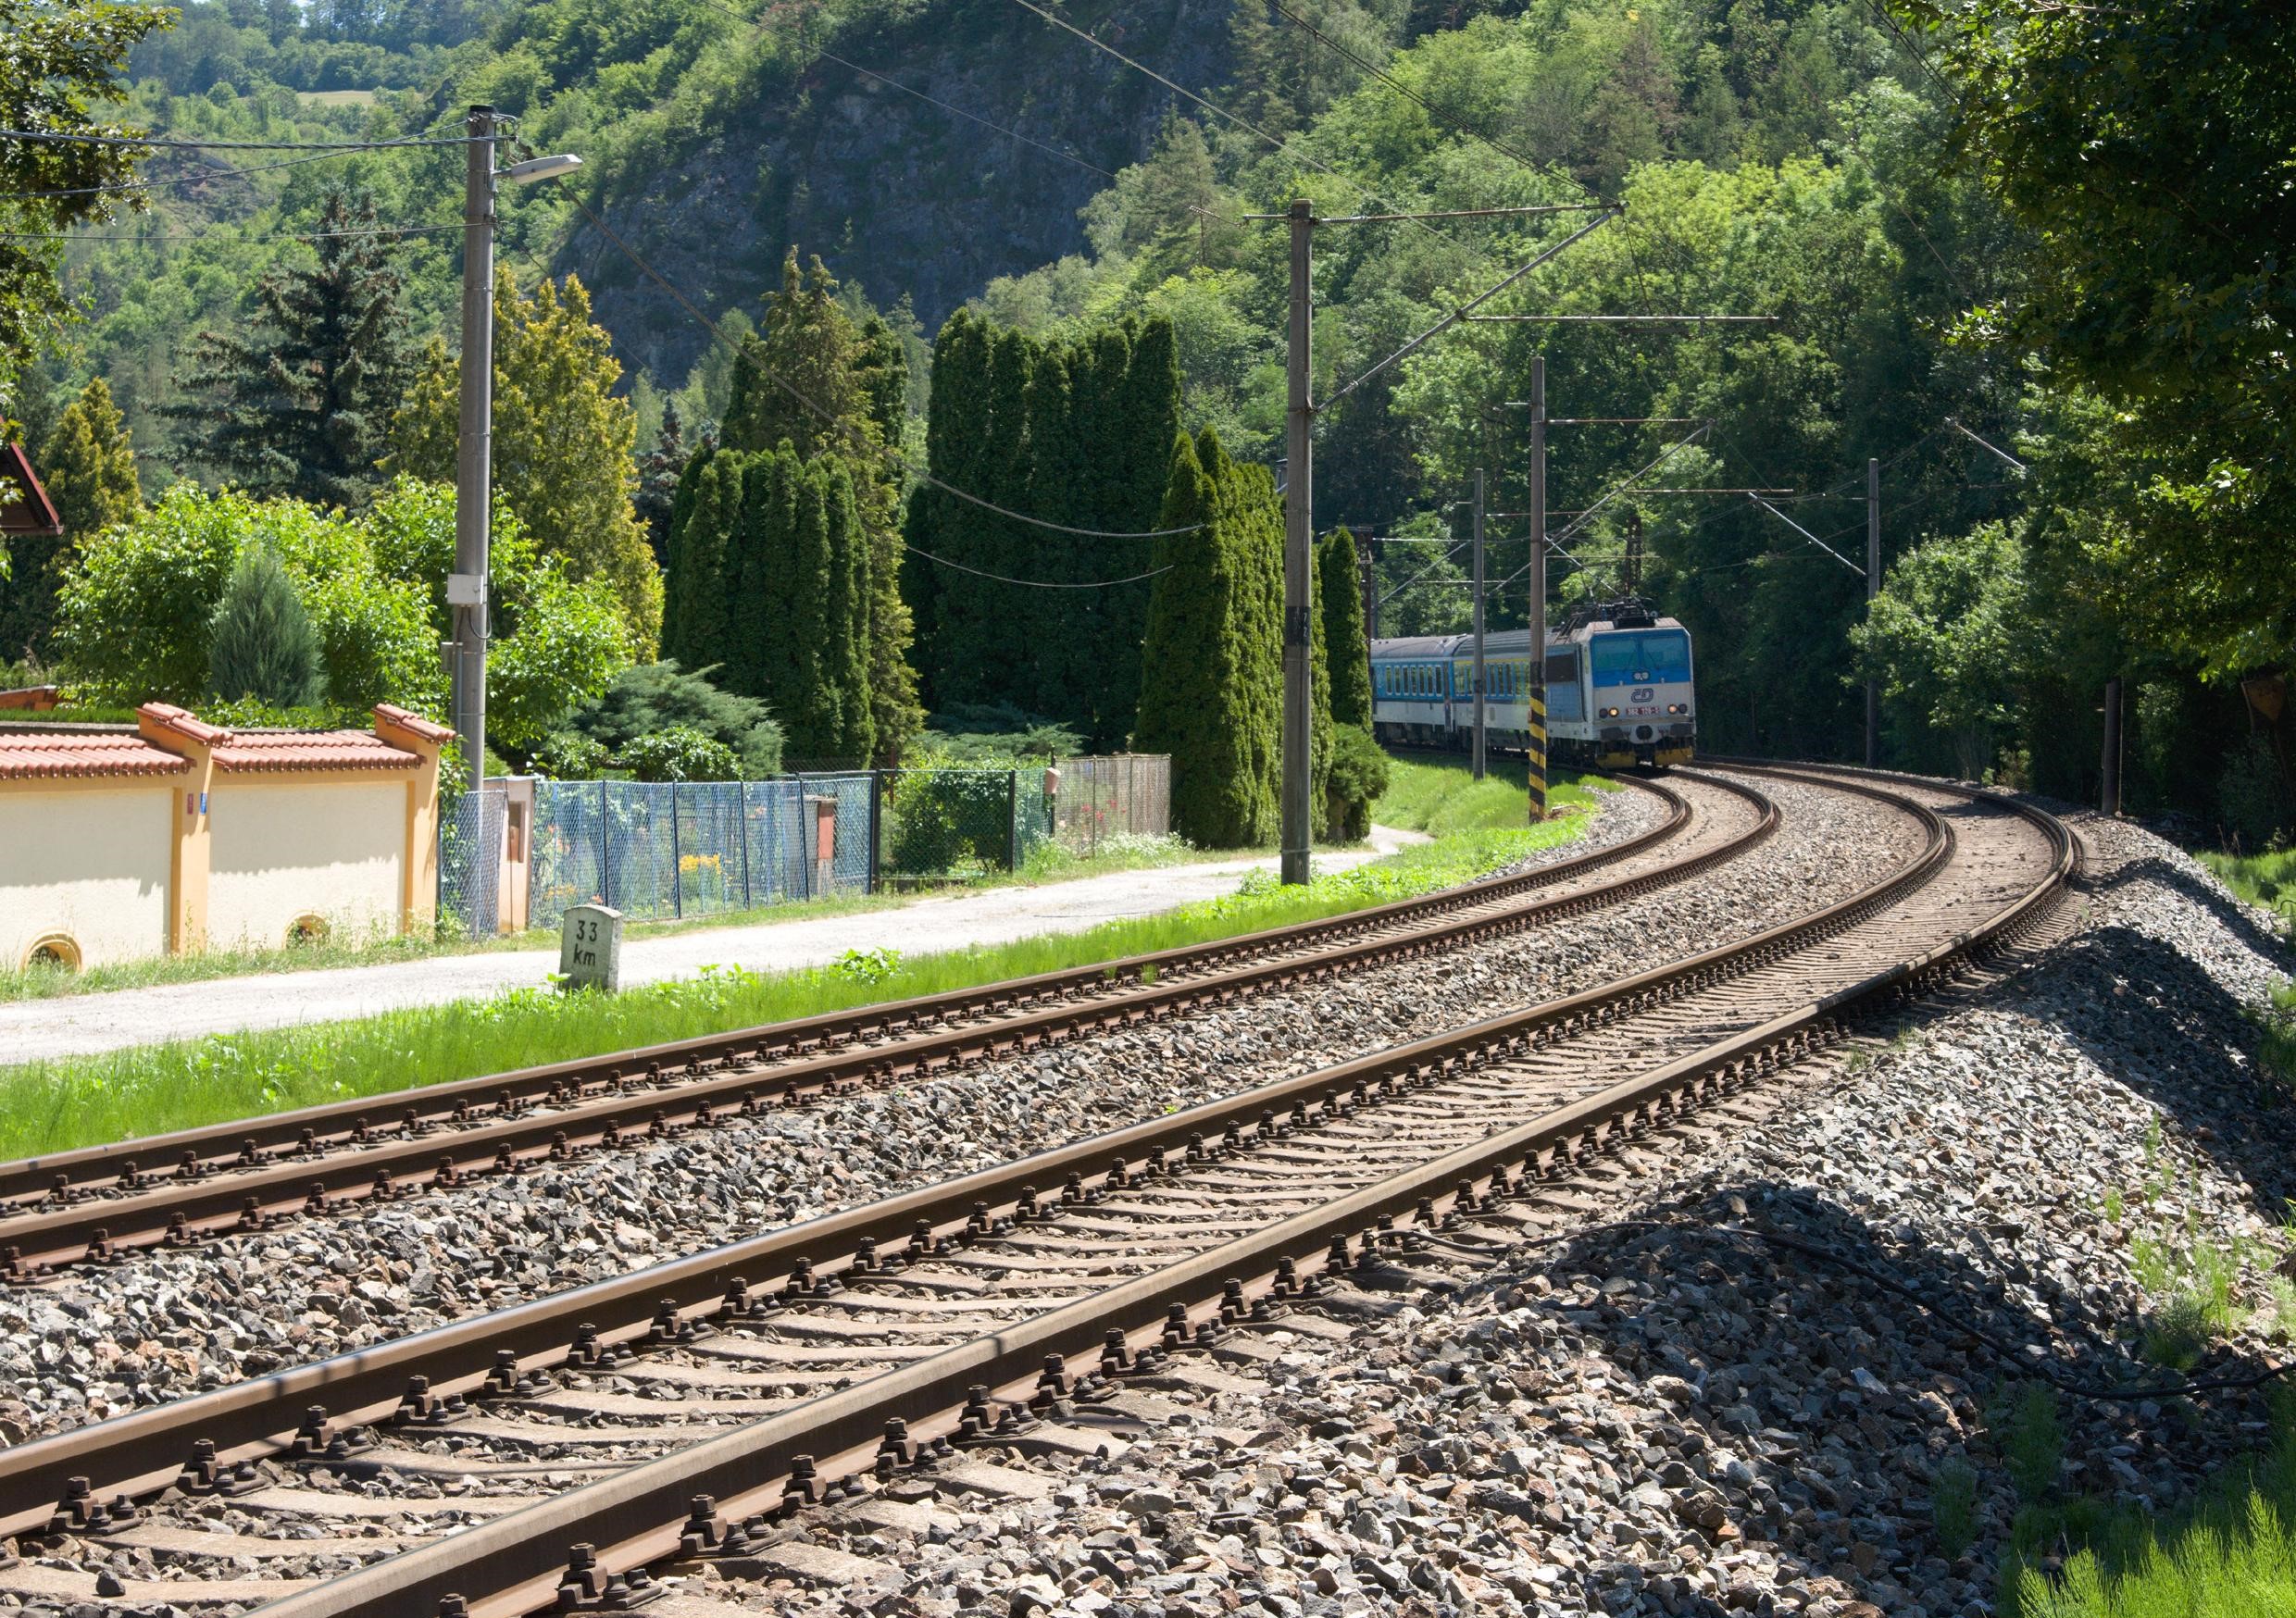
53	1106
2267	880
2231	1555
1437	793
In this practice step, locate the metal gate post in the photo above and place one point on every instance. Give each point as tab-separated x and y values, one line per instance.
606	850
741	823
877	825
804	836
677	865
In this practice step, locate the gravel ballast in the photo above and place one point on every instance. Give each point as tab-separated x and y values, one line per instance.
1655	1413
167	1323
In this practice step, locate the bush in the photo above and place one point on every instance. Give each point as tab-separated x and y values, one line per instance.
651	697
260	642
950	821
1358	776
569	756
680	752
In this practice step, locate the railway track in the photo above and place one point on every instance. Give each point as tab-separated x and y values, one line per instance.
103	1204
592	1451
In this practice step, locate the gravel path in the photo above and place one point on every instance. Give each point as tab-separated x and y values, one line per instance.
1686	1421
80	1025
169	1323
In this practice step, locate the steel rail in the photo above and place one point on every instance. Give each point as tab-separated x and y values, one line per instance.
513	1565
146	1450
178	1210
217	1147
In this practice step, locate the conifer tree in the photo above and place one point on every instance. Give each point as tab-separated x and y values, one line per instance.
302	404
1347	654
261	643
826	384
1210	686
769	582
935	524
88	465
659	470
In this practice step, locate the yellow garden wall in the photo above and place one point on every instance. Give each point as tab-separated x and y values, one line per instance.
281	849
88	861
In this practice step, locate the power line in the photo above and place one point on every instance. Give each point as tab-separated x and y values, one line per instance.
64	137
960	112
887	451
216	232
1036	583
1276	141
140	182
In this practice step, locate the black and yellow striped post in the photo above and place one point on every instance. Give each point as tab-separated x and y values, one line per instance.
1535	751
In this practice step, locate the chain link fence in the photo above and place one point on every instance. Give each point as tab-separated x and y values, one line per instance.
656	850
470	860
664	850
1130	794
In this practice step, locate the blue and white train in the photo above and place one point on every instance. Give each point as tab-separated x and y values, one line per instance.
1619	690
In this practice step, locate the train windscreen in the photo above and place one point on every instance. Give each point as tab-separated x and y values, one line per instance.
1641	657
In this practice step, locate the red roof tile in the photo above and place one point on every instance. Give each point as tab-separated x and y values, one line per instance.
249	750
168	717
37	755
399	718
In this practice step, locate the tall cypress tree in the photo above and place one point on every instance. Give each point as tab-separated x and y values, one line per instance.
1347	654
303	406
828	384
696	604
934	526
1212	667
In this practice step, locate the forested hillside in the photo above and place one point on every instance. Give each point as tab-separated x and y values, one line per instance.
1781	158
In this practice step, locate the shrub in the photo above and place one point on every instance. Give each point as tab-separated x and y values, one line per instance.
650	697
1358	776
569	756
951	821
680	752
261	643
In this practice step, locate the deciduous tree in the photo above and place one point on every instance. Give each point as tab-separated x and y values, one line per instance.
562	442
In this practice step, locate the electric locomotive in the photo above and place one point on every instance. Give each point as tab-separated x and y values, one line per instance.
1619	689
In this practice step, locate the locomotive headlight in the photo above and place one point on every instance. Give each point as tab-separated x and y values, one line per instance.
1610	713
1677	707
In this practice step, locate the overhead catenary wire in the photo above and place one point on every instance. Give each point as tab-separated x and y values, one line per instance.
885	451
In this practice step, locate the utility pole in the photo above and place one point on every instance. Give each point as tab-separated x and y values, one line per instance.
474	444
1873	588
465	591
1298	502
1478	624
2109	800
1535	662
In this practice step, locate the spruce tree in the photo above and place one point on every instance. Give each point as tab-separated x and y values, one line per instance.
659	471
301	405
1347	654
261	642
88	465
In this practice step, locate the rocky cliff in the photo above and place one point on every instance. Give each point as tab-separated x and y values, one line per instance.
892	191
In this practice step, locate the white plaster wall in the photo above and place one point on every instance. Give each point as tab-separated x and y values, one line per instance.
89	862
282	849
